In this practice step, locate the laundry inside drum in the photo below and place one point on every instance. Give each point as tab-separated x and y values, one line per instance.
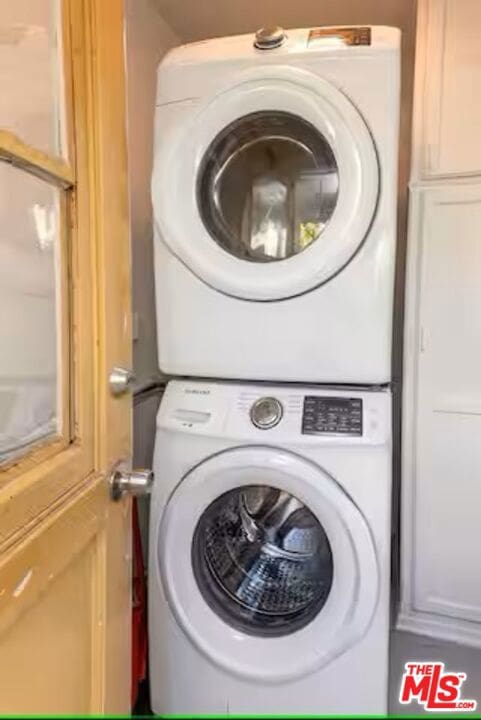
262	560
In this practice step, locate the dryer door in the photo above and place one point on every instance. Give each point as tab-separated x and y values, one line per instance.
270	188
268	566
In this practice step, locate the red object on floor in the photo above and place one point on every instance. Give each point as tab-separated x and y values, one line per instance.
139	608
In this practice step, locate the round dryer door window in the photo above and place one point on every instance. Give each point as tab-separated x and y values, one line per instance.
267	189
268	566
268	186
262	560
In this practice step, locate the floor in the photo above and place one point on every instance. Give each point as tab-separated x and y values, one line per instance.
142	706
458	658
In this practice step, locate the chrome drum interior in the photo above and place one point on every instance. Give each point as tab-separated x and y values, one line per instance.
262	560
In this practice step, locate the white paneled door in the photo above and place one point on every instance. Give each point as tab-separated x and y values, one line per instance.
442	426
447	119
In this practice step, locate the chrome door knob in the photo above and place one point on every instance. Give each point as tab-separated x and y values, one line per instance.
266	412
134	482
120	380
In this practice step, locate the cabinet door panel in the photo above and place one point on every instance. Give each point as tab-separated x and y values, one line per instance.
448	116
448	405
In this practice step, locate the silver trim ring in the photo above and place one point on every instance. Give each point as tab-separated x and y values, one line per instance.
277	413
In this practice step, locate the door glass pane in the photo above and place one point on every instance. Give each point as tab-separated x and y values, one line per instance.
29	308
267	186
262	560
30	68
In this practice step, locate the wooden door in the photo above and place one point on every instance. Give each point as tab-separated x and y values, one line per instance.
65	546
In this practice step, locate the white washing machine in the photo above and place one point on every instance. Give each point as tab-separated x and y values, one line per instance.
270	550
274	197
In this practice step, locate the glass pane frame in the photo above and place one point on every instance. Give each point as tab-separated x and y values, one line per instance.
31	57
52	467
34	364
63	436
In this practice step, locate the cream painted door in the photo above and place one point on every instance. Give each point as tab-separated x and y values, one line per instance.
65	546
441	583
447	113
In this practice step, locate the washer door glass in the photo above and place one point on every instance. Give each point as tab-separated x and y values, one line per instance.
262	560
267	186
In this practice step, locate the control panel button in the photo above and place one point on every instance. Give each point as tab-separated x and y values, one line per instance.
266	412
268	38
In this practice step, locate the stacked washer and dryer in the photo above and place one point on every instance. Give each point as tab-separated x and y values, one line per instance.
274	194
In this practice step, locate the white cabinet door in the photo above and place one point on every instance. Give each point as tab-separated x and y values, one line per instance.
448	77
442	412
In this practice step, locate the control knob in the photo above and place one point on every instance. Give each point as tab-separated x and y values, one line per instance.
266	412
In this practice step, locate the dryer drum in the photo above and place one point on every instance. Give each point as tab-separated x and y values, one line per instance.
267	186
262	560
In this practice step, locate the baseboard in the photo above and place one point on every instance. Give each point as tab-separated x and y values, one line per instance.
461	632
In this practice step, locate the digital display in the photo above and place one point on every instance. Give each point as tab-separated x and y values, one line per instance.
332	416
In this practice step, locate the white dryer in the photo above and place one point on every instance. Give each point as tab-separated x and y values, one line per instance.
274	198
270	550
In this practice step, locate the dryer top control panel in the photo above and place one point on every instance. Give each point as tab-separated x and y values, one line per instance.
270	414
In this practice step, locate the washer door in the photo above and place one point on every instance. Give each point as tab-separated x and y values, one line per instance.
267	565
270	188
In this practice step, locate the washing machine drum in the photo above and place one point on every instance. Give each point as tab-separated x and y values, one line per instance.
262	560
270	187
267	565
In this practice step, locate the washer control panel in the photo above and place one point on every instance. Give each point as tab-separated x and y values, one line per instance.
309	416
332	415
266	412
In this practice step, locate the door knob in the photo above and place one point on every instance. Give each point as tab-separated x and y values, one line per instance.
134	482
120	380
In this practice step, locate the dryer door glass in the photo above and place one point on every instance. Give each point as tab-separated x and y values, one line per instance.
262	560
267	186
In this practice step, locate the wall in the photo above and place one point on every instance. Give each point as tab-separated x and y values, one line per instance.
148	37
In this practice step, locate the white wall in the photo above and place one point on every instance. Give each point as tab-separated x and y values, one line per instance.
148	37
